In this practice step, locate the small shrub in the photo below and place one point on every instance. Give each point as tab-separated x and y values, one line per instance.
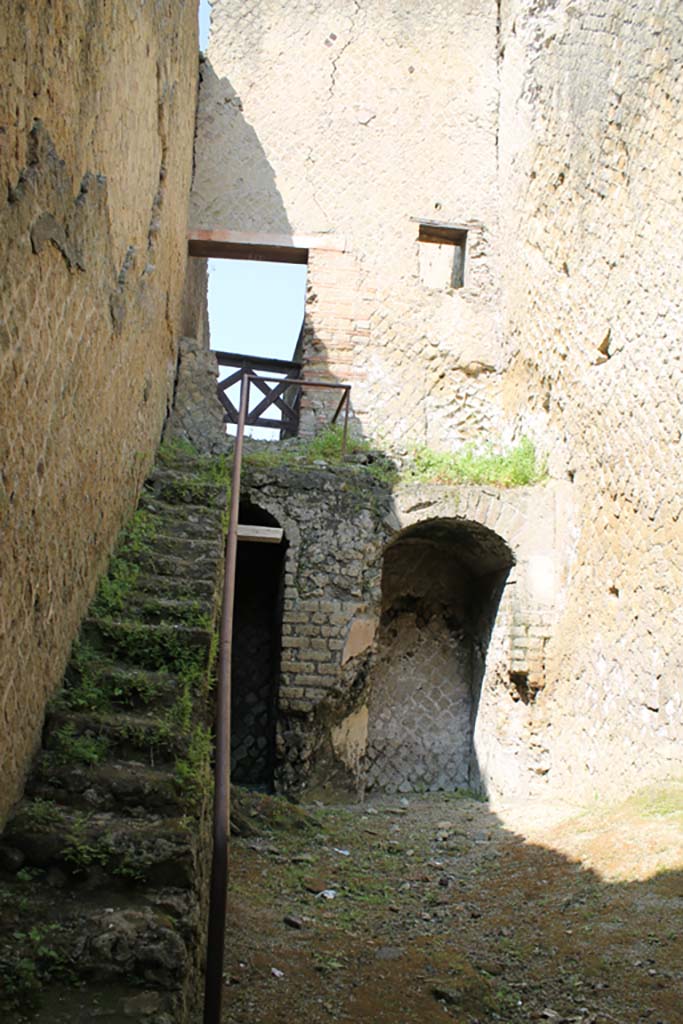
41	815
33	962
81	851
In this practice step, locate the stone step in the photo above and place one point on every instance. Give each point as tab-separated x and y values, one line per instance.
100	848
99	683
105	1003
172	566
174	587
172	647
127	787
133	950
186	547
155	609
191	462
91	737
184	488
193	520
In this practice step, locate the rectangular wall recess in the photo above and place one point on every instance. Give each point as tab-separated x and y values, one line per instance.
444	265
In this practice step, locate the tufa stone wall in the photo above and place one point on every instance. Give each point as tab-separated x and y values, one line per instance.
590	145
96	129
368	641
382	115
551	131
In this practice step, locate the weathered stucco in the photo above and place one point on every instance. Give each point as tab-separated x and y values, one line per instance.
551	130
382	115
97	127
590	147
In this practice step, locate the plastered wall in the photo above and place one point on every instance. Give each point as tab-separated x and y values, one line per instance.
590	147
96	130
552	130
355	120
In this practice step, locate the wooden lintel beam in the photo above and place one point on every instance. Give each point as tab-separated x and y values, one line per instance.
261	534
243	245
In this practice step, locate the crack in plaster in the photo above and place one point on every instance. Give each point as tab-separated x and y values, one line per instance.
335	60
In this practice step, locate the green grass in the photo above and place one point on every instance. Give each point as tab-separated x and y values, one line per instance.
517	466
659	801
327	447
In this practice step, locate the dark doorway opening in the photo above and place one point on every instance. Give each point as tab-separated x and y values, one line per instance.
256	654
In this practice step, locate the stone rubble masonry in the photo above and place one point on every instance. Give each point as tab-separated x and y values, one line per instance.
553	130
390	122
337	523
591	157
96	123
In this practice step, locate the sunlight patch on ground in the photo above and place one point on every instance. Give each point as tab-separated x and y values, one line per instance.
633	840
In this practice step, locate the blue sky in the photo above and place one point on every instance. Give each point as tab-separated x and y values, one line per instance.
255	308
204	16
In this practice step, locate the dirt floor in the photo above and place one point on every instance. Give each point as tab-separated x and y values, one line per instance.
433	907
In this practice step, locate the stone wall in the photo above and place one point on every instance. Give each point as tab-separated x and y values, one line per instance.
96	124
507	632
382	116
333	521
550	130
590	146
361	632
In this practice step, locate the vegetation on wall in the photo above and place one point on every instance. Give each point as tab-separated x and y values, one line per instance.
325	449
516	466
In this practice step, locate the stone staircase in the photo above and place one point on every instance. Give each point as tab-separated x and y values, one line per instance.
103	868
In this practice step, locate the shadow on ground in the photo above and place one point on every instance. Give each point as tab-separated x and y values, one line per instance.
440	910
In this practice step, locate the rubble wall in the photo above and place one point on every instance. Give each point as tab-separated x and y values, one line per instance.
356	121
590	146
344	718
97	125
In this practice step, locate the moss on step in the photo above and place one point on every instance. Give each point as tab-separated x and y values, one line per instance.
120	789
171	647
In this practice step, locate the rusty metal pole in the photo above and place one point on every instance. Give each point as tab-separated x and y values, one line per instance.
213	988
346	420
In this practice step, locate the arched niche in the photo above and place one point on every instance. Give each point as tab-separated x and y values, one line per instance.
442	581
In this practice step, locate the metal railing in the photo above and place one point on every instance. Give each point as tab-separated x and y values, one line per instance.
213	991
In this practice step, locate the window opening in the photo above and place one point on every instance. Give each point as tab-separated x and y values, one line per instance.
442	254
